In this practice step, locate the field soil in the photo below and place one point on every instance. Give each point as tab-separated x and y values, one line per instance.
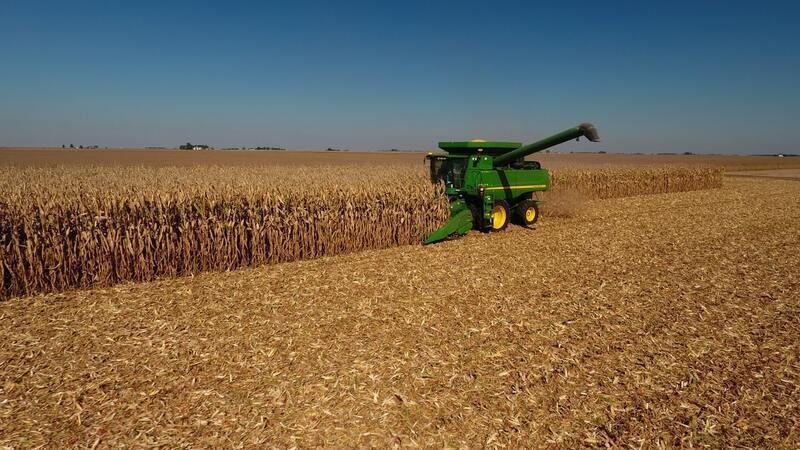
662	320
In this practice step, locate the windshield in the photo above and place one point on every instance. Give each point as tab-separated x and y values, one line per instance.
448	170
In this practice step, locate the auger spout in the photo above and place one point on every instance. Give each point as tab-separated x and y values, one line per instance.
584	129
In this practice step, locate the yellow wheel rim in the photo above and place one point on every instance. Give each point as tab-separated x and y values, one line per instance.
530	214
498	217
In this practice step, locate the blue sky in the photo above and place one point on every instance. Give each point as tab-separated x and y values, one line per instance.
666	76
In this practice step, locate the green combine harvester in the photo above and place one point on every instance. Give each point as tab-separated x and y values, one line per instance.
487	181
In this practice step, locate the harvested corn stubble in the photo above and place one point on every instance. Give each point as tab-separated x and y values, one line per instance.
652	321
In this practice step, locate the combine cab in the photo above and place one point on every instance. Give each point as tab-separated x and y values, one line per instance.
489	182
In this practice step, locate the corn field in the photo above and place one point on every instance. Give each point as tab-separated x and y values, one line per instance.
87	226
627	182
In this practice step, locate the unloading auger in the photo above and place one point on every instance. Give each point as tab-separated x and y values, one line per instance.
487	181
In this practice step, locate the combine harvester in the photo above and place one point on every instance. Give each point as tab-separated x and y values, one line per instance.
487	181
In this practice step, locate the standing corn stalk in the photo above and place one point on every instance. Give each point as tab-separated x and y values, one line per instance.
83	226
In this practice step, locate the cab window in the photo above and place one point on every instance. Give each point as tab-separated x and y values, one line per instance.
450	171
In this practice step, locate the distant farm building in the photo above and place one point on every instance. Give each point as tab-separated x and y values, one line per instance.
190	146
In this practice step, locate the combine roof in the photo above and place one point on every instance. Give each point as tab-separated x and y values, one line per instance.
491	147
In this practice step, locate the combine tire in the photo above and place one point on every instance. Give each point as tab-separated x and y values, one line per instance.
528	212
500	215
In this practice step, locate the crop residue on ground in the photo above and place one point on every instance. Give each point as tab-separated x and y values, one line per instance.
664	320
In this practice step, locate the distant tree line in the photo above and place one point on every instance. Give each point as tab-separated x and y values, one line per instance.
190	146
81	146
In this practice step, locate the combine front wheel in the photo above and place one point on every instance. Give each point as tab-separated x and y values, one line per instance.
499	215
529	212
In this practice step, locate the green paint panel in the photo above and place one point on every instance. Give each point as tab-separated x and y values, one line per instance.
460	223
